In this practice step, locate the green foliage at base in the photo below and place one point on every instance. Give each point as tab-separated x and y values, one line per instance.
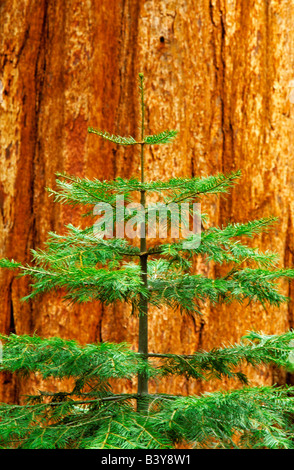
248	418
92	416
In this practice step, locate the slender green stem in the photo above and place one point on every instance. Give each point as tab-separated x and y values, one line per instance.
141	78
143	310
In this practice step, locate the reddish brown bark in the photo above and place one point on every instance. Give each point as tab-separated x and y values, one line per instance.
219	71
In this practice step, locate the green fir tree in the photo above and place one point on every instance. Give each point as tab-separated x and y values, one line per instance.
91	266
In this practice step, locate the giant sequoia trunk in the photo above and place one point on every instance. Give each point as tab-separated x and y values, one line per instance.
219	71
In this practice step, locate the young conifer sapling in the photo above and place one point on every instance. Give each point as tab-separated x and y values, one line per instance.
89	266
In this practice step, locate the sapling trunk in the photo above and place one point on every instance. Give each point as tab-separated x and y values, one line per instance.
143	309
